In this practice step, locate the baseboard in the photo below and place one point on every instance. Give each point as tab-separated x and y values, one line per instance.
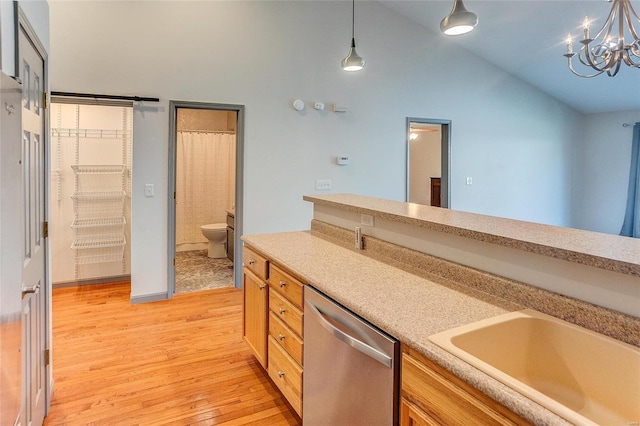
191	246
91	281
149	298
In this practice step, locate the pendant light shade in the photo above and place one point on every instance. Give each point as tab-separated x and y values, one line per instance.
459	20
353	61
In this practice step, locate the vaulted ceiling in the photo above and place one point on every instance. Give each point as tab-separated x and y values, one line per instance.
527	38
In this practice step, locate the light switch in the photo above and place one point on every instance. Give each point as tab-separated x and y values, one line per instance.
148	190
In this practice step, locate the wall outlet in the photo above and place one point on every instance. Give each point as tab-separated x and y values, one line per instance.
366	220
358	238
323	184
469	180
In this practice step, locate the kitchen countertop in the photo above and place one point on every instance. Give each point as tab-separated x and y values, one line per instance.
408	307
610	252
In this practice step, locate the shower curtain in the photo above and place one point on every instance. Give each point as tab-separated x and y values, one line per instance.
205	182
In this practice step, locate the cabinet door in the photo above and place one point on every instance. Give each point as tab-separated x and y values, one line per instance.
255	326
410	415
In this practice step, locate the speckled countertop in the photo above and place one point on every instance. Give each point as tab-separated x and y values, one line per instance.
610	252
406	306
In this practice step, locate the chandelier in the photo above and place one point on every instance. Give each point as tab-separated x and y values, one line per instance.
607	50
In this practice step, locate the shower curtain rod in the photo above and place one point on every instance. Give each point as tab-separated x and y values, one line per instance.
109	97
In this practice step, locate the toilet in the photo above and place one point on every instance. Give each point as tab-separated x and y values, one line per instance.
216	233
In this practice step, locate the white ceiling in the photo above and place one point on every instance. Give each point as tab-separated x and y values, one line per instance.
527	39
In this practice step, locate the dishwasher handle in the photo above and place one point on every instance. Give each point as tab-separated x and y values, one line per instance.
369	351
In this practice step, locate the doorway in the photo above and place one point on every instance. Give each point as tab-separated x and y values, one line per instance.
91	146
428	162
205	185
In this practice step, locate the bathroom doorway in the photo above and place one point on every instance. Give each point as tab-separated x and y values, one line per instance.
204	180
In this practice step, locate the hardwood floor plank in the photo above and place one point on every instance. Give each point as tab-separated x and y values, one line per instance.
175	362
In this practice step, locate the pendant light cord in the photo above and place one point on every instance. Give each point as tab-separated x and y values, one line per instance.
353	19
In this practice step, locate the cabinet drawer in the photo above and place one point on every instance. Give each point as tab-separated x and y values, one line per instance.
286	337
255	262
286	374
286	311
447	399
285	284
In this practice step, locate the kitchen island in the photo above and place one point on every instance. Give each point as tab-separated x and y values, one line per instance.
411	294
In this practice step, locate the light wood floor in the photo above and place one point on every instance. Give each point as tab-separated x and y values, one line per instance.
179	362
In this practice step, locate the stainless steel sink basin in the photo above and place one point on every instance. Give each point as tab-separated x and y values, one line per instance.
585	377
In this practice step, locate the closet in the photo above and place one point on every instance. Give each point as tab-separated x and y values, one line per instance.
91	167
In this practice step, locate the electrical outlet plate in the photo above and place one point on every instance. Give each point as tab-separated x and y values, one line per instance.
366	220
323	184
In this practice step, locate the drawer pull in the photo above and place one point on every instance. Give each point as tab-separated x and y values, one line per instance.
261	286
282	311
281	336
282	283
251	262
281	374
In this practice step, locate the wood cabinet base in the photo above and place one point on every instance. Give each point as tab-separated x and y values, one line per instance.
434	396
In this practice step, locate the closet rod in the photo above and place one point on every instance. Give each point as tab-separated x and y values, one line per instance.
112	97
225	132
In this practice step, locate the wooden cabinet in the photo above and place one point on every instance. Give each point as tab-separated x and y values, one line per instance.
255	323
433	396
436	191
285	334
272	327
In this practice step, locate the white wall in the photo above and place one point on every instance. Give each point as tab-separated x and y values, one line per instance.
265	54
605	159
425	157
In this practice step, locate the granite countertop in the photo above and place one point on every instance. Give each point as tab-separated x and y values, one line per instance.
406	306
610	252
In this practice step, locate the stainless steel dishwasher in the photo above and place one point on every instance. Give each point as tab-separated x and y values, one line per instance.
350	367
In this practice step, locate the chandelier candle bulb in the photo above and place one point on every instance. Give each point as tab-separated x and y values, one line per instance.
569	44
585	27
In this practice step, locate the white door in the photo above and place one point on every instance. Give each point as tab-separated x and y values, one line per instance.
34	256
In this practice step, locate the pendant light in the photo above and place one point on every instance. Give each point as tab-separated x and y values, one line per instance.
353	62
459	20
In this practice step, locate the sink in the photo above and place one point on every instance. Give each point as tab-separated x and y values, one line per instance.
585	377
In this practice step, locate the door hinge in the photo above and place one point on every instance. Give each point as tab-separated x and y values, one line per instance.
174	195
174	261
44	100
47	357
45	229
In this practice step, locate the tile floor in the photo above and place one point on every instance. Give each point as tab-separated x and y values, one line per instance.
195	271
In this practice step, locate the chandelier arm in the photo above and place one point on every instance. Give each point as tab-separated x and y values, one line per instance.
608	23
633	11
585	58
628	16
630	54
611	72
581	75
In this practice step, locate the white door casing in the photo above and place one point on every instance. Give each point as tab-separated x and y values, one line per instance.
34	285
